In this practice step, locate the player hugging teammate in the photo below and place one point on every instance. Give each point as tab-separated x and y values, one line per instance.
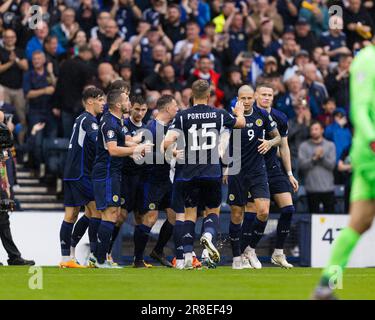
119	166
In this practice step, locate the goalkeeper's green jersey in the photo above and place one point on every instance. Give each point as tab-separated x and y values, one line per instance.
362	112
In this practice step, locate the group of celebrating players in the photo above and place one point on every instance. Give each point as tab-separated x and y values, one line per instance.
120	165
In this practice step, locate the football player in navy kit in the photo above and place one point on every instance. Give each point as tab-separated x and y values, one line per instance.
200	175
281	185
107	169
78	188
157	187
252	178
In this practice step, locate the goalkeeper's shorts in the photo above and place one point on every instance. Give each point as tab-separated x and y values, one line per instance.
362	188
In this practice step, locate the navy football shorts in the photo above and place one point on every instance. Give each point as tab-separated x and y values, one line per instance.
130	187
278	181
78	192
202	193
243	188
178	200
108	192
155	196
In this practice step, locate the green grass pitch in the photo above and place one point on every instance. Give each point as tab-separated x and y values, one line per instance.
163	283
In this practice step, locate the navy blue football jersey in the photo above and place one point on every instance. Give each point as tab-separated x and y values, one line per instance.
129	166
201	126
282	125
82	147
159	170
258	123
110	129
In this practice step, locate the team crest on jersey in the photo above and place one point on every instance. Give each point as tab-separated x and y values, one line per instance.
152	206
231	197
259	122
115	198
110	134
94	126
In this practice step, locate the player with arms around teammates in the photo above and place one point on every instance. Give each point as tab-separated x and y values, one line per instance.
281	185
252	179
200	175
157	187
107	171
78	187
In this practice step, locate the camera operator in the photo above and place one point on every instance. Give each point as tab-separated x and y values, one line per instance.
6	194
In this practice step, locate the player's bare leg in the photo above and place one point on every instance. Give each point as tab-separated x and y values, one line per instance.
236	218
285	203
362	214
71	215
165	234
261	206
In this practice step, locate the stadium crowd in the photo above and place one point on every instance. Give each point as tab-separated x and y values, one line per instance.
162	47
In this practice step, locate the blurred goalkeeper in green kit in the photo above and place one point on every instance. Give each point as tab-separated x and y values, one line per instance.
362	198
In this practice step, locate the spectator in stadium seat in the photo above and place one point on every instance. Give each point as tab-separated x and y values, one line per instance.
188	46
39	86
316	15
164	79
66	29
99	29
323	65
263	8
288	9
287	52
126	13
304	36
111	39
205	49
124	56
77	41
205	71
196	10
329	108
333	41
230	85
266	43
172	25
75	74
317	161
316	91
185	98
13	64
153	14
50	49
298	132
219	21
301	59
292	98
126	73
357	22
106	75
87	16
37	41
338	82
238	26
338	132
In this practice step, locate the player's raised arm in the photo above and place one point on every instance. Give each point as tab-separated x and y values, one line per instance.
238	111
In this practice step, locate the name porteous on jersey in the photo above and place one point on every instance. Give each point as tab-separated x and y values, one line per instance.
202	116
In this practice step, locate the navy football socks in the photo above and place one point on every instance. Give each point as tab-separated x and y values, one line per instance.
79	230
188	236
165	234
93	233
104	238
65	237
248	220
178	233
141	235
234	235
